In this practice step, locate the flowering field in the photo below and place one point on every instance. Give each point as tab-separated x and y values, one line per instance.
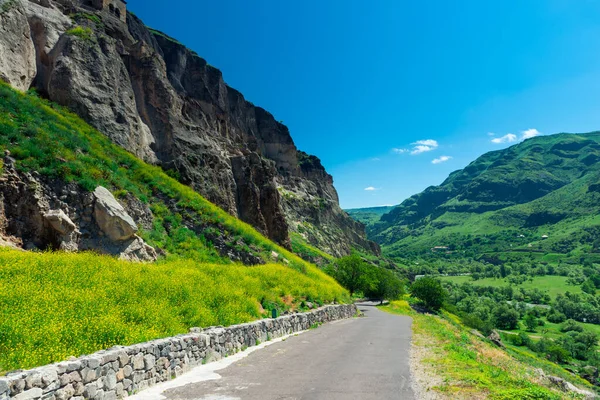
56	305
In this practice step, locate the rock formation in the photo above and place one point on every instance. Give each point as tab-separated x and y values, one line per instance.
154	97
38	213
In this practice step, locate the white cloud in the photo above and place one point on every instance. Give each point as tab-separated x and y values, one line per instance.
399	151
491	134
508	138
441	159
371	189
423	146
529	133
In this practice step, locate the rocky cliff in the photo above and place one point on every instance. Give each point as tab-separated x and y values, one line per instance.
161	101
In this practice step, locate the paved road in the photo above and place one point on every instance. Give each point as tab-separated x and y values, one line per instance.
361	358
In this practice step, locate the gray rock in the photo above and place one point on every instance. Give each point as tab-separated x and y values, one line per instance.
138	250
3	386
110	381
89	392
127	371
30	394
123	358
17	52
494	337
111	217
65	393
127	384
149	362
138	361
60	221
88	375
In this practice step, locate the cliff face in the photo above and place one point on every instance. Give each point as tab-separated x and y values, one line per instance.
151	95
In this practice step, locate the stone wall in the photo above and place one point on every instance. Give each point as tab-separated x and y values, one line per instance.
120	371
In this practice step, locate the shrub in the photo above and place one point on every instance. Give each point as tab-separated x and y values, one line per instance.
429	291
571	326
556	317
81	32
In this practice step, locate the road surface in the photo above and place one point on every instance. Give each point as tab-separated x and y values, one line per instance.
360	358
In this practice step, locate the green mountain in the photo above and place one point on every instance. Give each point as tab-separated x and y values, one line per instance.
506	200
369	215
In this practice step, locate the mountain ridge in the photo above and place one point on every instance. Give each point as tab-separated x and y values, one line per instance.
525	187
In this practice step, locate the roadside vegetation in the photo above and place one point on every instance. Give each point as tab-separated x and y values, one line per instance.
55	305
363	279
527	325
449	362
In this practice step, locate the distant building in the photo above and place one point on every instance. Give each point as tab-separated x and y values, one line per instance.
544	236
116	8
439	248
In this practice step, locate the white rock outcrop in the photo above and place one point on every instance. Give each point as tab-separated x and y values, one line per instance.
111	217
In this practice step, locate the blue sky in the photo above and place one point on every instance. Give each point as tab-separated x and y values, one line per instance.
363	84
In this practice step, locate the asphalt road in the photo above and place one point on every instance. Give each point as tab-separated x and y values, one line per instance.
361	358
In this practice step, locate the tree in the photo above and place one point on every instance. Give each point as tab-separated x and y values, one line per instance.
384	285
531	322
351	272
506	317
429	291
588	287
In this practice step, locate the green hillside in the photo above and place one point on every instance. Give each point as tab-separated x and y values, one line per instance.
506	200
369	215
70	304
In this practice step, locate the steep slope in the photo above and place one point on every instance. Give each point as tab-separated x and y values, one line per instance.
506	200
157	99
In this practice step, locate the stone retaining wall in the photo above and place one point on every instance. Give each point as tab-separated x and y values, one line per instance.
120	371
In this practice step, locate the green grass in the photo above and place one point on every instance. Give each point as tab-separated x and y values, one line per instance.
81	32
307	251
467	367
552	285
56	305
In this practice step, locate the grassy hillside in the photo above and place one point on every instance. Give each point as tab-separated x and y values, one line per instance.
369	215
449	362
56	305
49	139
506	200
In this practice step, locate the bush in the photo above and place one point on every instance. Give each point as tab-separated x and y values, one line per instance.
429	291
571	326
556	317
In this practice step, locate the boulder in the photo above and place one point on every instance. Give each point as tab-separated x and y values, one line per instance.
138	250
60	222
495	338
111	217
